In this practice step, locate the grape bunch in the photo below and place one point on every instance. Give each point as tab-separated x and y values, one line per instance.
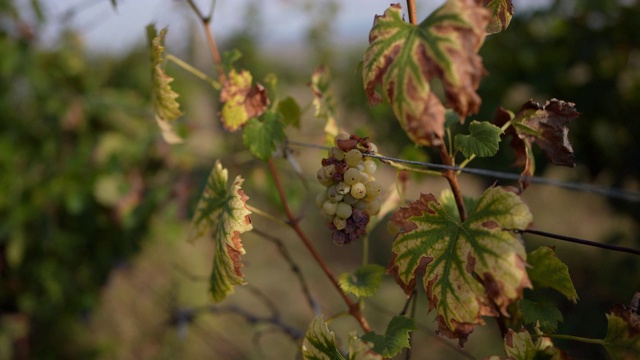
352	193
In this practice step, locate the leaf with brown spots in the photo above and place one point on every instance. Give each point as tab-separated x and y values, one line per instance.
501	14
404	58
472	268
222	213
242	101
623	331
545	126
520	346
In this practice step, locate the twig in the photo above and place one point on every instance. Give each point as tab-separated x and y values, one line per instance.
354	309
452	178
411	8
295	268
215	53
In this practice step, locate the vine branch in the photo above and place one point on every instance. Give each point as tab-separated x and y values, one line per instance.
354	309
411	8
452	178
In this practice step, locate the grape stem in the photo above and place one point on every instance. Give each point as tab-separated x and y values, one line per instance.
452	178
354	308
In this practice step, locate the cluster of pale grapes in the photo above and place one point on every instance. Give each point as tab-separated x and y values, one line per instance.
352	193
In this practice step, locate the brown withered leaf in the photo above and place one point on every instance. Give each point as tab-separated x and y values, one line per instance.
501	14
545	126
242	101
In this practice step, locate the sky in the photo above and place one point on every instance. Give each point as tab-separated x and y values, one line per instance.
106	30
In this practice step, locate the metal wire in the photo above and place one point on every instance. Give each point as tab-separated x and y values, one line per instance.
631	196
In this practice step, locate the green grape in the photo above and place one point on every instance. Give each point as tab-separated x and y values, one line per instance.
336	153
343	210
372	207
330	170
339	223
323	178
343	188
329	207
333	194
353	157
370	167
360	205
321	198
373	189
341	136
352	176
349	199
374	148
358	190
364	177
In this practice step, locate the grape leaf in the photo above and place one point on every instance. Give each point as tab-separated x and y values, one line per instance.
520	346
395	338
242	101
324	101
501	14
404	58
360	350
469	266
546	126
482	140
262	136
364	282
623	333
545	314
546	270
223	213
165	106
319	342
290	111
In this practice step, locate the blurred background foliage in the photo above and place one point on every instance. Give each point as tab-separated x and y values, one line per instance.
94	206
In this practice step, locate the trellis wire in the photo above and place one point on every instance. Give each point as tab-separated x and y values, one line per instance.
630	196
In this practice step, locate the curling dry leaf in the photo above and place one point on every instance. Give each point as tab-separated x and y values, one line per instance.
469	266
546	126
324	101
223	214
623	333
242	101
165	105
404	58
501	14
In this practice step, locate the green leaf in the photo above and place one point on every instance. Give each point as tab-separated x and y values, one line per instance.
319	342
229	58
545	314
623	333
242	101
261	137
364	282
324	101
165	105
360	350
395	338
546	270
290	111
470	265
520	346
222	212
404	58
482	141
501	14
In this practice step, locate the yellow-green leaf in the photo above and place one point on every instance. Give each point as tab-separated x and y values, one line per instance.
222	214
324	101
501	14
242	100
520	346
361	350
364	282
166	108
404	58
546	270
395	338
472	268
